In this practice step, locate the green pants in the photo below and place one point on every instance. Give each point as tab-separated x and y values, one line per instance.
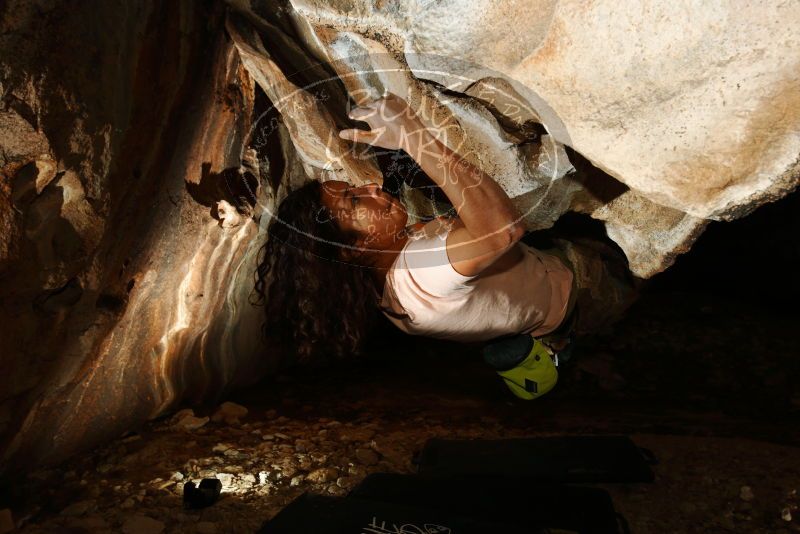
602	287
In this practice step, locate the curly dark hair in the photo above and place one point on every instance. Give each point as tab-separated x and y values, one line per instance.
318	308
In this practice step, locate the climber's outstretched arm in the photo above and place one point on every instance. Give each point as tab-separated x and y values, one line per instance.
490	224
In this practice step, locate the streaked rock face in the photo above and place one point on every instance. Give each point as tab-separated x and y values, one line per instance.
135	182
121	294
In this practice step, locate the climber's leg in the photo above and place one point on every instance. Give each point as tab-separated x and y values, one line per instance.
604	288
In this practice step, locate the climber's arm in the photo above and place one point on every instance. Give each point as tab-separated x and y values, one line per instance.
490	223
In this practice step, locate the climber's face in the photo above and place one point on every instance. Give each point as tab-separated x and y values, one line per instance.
376	216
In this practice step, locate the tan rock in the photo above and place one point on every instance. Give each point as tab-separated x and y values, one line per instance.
651	235
685	126
229	412
310	125
687	104
322	475
191	422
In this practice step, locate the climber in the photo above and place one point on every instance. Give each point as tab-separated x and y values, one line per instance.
341	253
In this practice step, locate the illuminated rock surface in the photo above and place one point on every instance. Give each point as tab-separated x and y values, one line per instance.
121	293
131	210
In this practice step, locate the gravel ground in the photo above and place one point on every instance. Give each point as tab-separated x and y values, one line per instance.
670	376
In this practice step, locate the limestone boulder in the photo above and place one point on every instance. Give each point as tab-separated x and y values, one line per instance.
692	107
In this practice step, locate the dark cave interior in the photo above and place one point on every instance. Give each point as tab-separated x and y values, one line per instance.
703	371
705	360
123	320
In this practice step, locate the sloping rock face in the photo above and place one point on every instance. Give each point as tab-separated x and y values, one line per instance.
143	148
694	108
121	294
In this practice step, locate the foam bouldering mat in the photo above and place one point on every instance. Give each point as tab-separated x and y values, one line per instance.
316	514
570	459
515	501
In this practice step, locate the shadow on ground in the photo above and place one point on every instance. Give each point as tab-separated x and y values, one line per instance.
708	385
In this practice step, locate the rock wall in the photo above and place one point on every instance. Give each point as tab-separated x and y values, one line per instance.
124	283
693	107
142	146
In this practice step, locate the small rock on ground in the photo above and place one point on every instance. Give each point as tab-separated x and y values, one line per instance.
229	413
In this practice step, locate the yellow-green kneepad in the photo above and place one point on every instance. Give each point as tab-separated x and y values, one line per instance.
534	376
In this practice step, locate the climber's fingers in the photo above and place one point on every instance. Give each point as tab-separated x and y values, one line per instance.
362	136
377	112
362	113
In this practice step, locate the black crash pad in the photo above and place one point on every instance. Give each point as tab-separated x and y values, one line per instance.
316	514
515	501
571	459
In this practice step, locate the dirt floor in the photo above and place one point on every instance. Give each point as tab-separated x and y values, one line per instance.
709	386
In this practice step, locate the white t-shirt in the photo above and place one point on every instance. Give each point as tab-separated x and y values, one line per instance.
425	295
